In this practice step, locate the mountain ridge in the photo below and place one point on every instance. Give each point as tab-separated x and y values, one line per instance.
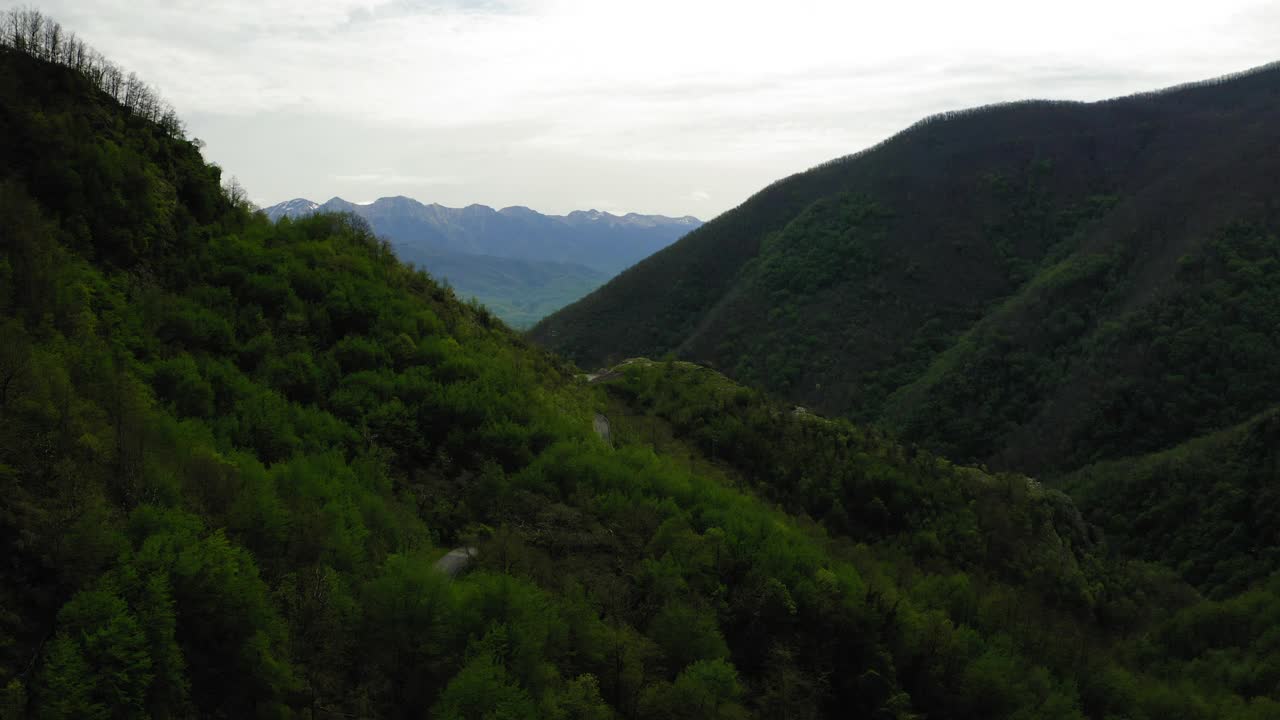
298	207
857	286
549	260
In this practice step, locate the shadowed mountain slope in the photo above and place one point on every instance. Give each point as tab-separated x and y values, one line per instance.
1002	284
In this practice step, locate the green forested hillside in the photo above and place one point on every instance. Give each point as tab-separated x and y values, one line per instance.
231	453
1208	508
1035	286
999	552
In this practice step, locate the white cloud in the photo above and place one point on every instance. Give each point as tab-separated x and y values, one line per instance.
394	179
642	97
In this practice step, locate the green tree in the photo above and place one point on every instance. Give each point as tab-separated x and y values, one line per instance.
484	691
579	699
687	635
98	665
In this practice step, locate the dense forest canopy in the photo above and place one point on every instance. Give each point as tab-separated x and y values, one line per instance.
232	452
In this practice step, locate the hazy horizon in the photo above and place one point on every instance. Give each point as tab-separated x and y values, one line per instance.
657	108
498	208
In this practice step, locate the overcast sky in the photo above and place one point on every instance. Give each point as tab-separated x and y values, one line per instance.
657	106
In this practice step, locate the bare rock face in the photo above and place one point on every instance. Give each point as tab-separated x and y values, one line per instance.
456	560
601	426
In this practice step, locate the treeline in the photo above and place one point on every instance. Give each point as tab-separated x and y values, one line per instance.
1219	81
28	31
914	129
983	110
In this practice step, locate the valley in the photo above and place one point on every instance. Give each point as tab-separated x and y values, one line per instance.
979	423
521	264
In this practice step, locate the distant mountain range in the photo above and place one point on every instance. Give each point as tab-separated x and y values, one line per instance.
599	240
520	263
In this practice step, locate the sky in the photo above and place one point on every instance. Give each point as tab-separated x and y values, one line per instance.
677	107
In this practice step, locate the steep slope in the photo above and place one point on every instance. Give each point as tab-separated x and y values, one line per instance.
231	455
1209	508
987	283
